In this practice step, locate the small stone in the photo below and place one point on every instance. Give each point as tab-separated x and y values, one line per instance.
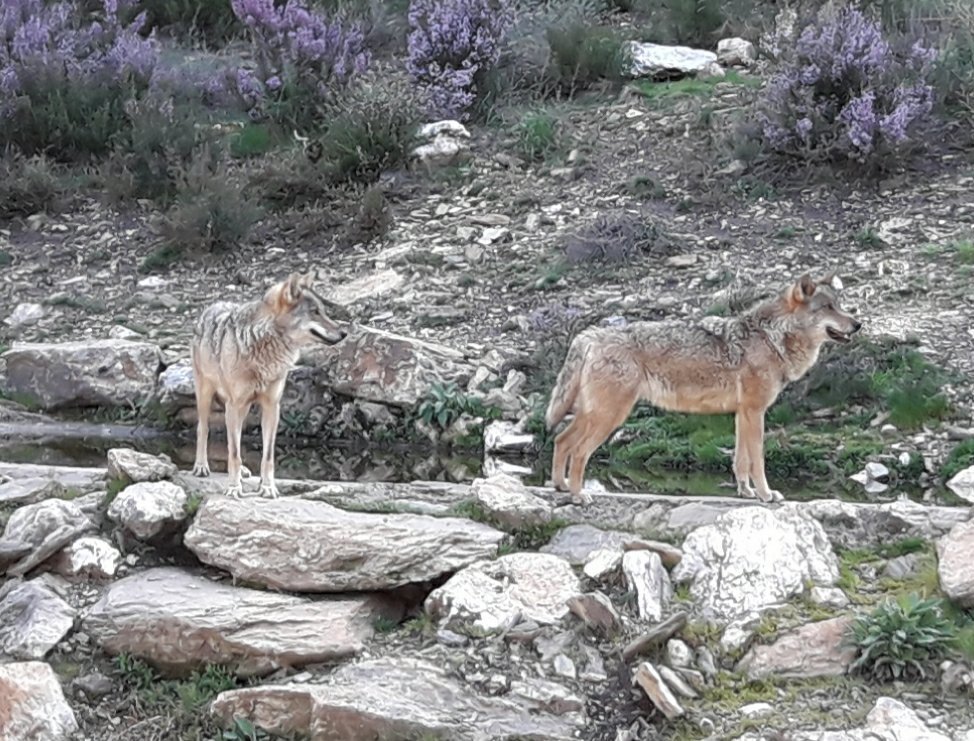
705	662
676	683
656	689
962	484
491	235
596	611
902	567
603	563
829	597
678	653
756	710
739	633
24	315
736	52
681	261
32	704
646	576
564	667
94	686
547	696
449	638
655	637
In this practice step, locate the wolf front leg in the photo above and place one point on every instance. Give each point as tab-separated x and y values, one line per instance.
756	442
270	416
235	412
742	456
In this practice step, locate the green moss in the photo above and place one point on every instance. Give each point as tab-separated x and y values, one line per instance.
961	457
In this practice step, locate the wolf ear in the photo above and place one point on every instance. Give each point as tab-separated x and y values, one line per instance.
293	288
803	289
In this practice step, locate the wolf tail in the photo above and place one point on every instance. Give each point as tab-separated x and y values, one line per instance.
568	382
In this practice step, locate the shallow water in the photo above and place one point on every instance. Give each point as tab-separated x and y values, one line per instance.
80	444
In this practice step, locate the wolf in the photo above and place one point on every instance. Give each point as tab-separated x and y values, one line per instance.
243	352
739	366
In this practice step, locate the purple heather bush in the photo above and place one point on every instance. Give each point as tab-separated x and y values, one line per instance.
302	58
64	77
453	44
847	92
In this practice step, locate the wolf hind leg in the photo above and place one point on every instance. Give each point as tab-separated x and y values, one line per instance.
561	458
602	413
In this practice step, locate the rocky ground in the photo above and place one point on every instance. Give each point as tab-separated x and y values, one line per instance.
138	603
436	610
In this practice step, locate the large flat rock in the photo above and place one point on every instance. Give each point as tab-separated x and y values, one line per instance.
84	373
307	546
178	621
390	699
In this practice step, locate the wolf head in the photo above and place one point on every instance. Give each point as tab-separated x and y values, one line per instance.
302	312
814	306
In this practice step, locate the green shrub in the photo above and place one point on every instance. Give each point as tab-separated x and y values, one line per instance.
211	213
902	639
373	131
160	141
538	135
27	185
582	54
212	20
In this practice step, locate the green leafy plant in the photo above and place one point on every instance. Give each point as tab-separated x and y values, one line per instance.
445	404
902	639
537	135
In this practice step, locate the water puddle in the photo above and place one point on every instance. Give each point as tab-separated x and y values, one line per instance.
64	443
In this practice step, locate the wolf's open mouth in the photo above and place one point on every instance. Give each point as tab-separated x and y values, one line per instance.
837	335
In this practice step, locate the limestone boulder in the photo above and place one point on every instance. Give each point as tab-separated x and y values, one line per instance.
386	368
33	620
308	546
491	596
131	465
662	61
88	557
149	508
754	557
390	698
86	373
815	650
179	621
507	501
956	564
32	704
36	532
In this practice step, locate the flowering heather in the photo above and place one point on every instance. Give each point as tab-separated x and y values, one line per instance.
59	70
845	92
452	44
301	56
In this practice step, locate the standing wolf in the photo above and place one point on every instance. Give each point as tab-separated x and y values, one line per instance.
243	353
681	367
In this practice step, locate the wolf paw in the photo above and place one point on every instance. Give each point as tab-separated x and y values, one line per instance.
582	498
234	492
202	470
268	490
746	492
771	495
